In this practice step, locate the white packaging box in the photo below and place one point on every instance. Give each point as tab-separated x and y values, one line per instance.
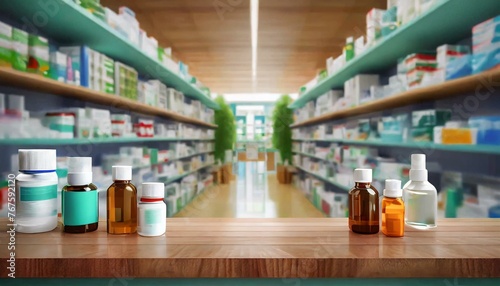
374	25
329	65
359	46
355	87
101	121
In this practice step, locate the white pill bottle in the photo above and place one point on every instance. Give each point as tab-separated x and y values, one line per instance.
152	210
36	191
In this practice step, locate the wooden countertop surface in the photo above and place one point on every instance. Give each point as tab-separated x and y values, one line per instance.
272	248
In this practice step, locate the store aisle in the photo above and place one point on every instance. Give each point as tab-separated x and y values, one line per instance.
253	194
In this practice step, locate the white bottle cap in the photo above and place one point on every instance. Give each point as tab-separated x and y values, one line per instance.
418	171
79	171
393	189
37	160
122	173
363	175
349	40
153	190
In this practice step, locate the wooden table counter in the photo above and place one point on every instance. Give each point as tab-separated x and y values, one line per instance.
272	248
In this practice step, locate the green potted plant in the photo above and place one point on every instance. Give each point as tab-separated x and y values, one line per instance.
225	136
282	134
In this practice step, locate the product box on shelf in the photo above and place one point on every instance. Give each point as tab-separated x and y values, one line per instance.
374	25
389	21
395	128
129	24
108	74
488	129
38	51
114	21
58	66
486	45
325	102
121	125
81	58
5	45
358	87
144	128
94	7
406	11
101	122
126	81
62	124
19	49
425	121
148	45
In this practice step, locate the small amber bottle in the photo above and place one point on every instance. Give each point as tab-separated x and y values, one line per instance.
393	209
80	200
122	202
363	204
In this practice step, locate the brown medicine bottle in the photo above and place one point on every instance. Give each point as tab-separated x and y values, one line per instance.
363	204
393	209
122	202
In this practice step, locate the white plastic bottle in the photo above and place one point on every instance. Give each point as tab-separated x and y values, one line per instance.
36	191
152	210
420	196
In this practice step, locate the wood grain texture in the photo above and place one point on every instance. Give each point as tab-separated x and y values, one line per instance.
38	83
483	85
272	248
213	38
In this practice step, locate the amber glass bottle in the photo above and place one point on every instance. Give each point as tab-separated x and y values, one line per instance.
363	204
393	209
80	200
122	202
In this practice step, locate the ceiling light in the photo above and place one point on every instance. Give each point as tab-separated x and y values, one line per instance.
254	24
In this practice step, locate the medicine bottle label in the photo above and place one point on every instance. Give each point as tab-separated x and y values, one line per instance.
152	216
80	208
38	201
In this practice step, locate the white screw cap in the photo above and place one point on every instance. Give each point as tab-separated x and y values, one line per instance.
418	171
153	190
122	173
79	171
393	189
363	175
37	160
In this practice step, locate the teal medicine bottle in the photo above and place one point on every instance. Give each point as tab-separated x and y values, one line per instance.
80	199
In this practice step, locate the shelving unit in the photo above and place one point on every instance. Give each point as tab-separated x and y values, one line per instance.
71	24
10	77
425	32
342	187
489	149
178	177
81	141
485	80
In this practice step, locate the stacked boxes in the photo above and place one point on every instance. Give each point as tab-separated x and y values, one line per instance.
424	121
38	51
108	75
5	45
19	49
453	61
58	66
148	45
126	81
374	25
417	66
486	45
129	24
358	87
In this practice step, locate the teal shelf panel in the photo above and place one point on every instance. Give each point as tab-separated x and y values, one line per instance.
173	179
82	141
342	187
70	24
487	149
310	155
446	23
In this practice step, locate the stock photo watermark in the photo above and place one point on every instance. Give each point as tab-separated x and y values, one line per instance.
224	6
11	225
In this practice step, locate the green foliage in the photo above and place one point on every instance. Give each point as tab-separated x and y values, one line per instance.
225	134
282	134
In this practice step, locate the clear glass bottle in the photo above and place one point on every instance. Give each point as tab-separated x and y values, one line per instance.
393	209
36	191
420	196
363	204
152	210
122	202
80	198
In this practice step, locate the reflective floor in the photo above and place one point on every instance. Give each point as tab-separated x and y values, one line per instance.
253	194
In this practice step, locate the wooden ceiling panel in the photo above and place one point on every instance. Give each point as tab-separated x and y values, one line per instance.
213	38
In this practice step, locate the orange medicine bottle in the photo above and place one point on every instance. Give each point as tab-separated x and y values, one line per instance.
393	209
122	202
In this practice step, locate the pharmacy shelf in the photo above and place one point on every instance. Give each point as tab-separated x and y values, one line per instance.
342	187
482	82
178	177
310	155
34	82
487	149
447	22
68	23
188	156
82	141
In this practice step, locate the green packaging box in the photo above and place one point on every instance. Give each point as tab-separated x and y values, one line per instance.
430	117
19	49
38	55
5	45
422	134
